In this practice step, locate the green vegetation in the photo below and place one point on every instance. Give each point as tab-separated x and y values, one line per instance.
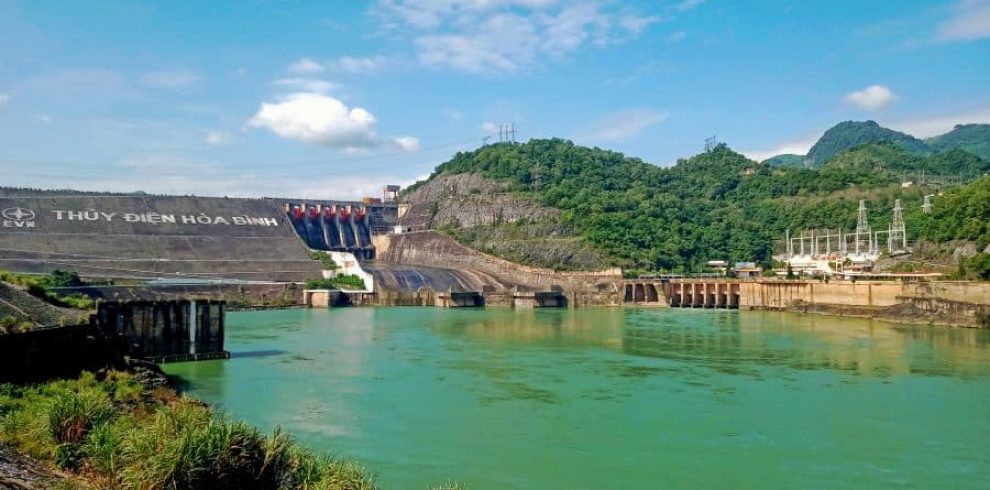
41	287
109	433
962	213
850	134
785	160
325	258
341	281
715	205
974	138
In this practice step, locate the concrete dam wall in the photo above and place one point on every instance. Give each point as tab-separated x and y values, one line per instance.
151	236
432	248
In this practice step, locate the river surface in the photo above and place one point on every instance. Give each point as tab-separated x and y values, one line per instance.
614	398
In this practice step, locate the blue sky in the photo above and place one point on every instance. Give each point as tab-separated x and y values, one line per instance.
334	99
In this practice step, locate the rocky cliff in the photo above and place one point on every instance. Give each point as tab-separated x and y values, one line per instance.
484	215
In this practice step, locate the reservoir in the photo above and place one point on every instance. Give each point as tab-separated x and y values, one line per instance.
613	398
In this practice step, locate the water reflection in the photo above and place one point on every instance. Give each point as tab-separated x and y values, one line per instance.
741	343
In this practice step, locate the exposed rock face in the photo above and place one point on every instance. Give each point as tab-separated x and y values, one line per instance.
464	200
19	472
433	249
482	214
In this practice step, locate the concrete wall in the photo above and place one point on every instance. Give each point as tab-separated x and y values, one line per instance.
255	294
781	294
431	248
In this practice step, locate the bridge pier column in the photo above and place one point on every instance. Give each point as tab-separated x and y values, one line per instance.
193	326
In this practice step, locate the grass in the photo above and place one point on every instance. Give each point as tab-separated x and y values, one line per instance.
40	286
340	281
109	433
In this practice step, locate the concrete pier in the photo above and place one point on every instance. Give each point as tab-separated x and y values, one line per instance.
459	299
166	331
703	294
538	299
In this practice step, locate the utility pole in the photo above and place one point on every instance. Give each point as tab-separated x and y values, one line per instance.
927	206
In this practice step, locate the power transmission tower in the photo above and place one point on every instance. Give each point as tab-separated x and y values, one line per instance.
927	206
862	225
711	143
484	141
898	232
512	132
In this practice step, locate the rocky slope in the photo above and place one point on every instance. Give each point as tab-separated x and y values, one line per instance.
24	308
484	215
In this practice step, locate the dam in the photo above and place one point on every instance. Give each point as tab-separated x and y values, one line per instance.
144	236
258	251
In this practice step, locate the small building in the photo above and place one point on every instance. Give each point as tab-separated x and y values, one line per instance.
719	266
745	270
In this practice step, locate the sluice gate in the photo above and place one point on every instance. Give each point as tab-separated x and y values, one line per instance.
335	227
683	293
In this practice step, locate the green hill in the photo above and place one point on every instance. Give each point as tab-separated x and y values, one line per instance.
974	138
850	134
785	160
889	157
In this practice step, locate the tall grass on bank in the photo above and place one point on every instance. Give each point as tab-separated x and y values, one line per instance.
110	434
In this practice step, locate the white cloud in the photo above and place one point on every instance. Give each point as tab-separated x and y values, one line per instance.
361	65
627	124
872	98
636	24
306	66
4	98
170	79
323	120
506	36
303	84
489	127
453	114
793	147
686	5
43	118
970	22
216	138
405	143
676	37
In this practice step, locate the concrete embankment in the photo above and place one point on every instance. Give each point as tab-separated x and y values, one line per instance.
450	265
151	236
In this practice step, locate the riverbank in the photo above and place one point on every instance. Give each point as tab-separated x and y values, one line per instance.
117	429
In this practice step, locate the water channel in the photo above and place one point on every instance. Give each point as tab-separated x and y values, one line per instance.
613	398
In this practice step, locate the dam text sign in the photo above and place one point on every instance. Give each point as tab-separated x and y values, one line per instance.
24	218
153	218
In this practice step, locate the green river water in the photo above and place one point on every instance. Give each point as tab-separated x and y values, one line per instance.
614	398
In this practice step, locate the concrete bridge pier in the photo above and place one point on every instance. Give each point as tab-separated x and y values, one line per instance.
646	293
710	294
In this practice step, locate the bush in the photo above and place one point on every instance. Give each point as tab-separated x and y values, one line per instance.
73	414
102	430
345	281
325	258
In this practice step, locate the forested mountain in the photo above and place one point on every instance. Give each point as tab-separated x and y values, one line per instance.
850	134
974	138
715	205
889	157
785	160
